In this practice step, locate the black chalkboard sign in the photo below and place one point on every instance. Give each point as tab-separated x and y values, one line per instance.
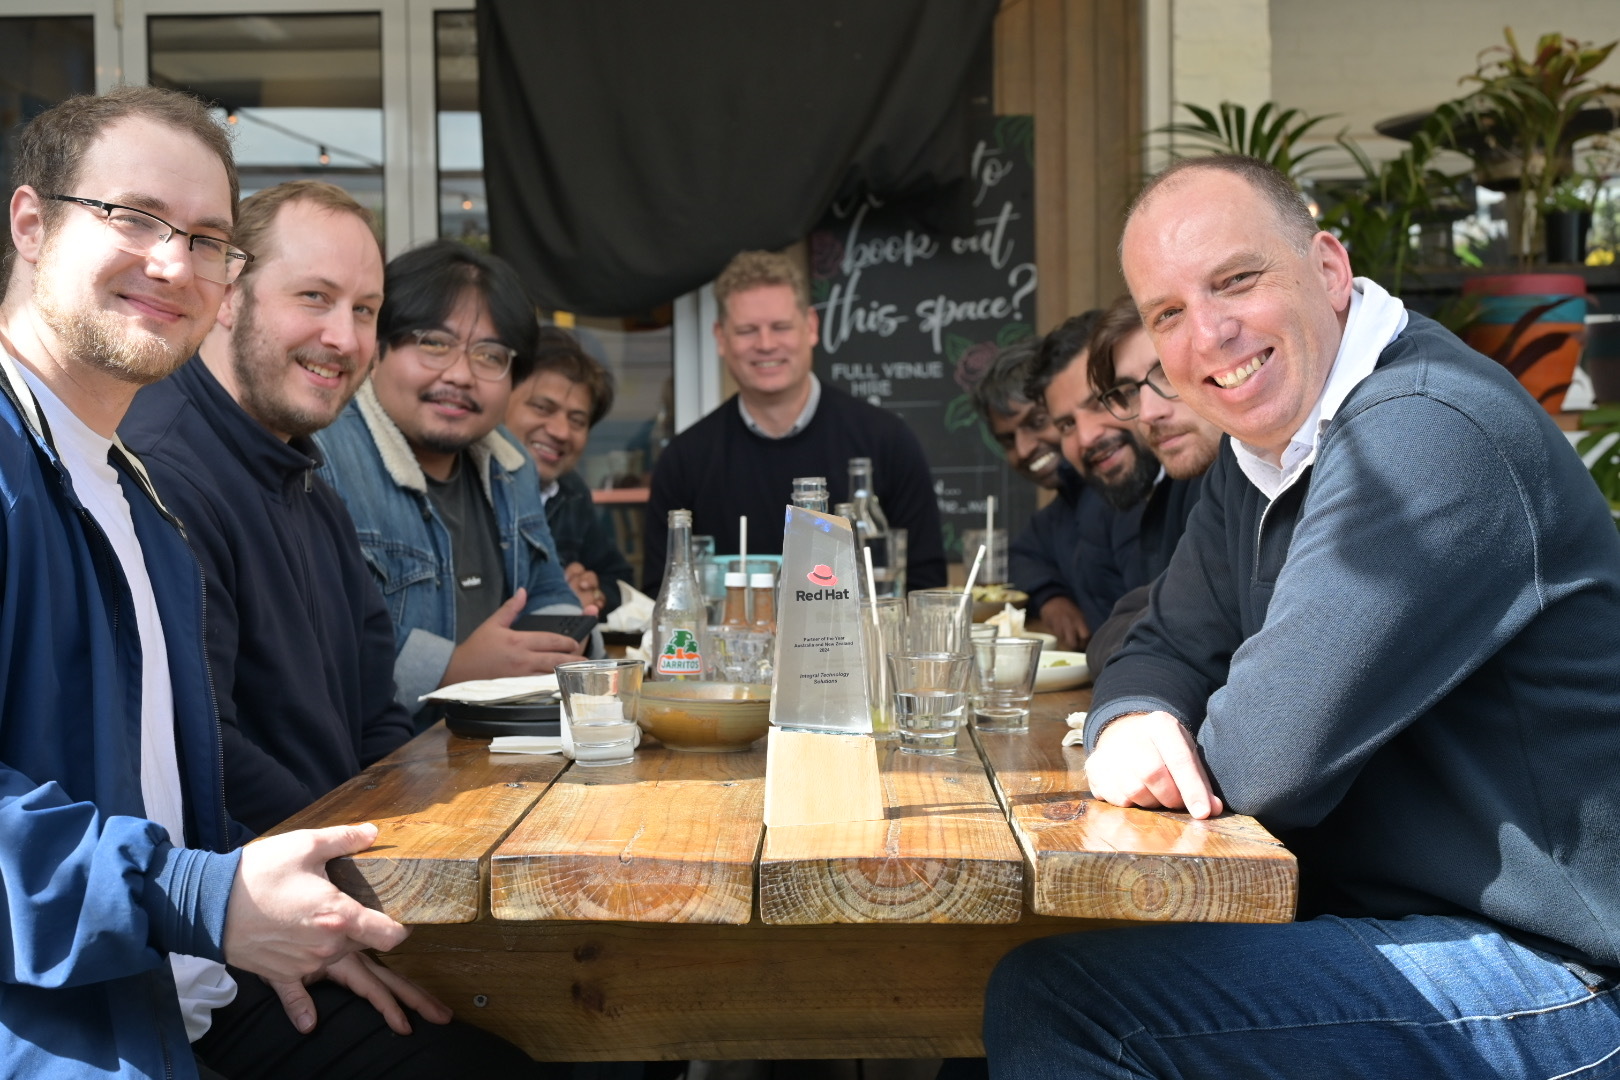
911	317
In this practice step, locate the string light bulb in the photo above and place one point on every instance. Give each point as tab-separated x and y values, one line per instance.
466	204
230	116
326	159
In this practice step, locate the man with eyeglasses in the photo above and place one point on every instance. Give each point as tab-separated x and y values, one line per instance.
1129	381
447	504
126	890
552	413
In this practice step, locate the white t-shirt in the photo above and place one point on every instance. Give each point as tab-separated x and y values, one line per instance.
204	985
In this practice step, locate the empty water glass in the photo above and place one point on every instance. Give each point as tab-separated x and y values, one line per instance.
599	699
1005	673
930	698
937	621
877	642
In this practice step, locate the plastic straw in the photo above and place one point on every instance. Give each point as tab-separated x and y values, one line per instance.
742	559
990	529
877	630
967	590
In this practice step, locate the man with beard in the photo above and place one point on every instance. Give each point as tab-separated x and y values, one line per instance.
1125	373
299	643
1108	455
117	936
448	506
1042	558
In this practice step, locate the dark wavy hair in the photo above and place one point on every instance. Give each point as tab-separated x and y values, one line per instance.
1057	351
422	287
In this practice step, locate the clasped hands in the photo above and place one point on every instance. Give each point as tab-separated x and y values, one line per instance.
290	925
1150	760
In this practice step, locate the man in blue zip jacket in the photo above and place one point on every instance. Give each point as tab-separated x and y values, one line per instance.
1392	640
125	893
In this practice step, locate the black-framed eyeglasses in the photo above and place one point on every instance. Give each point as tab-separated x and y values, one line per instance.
1124	400
139	233
489	360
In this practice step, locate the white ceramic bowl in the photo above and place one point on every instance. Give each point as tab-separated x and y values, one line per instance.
1061	671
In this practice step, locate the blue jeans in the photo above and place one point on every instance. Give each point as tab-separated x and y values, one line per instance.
1425	996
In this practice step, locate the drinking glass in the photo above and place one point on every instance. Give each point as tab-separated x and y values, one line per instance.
599	700
742	654
937	621
893	582
930	697
1005	670
877	642
977	632
994	569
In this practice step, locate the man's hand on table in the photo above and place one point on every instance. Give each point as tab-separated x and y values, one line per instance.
390	993
495	650
1062	619
1150	760
286	921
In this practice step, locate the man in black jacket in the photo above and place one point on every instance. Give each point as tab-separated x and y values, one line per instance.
782	423
300	644
552	413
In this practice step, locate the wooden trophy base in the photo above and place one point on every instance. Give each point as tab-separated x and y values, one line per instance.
818	778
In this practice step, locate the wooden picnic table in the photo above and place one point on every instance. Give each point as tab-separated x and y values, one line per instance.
645	912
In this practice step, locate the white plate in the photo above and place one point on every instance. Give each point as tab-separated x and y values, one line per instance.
1047	641
1066	677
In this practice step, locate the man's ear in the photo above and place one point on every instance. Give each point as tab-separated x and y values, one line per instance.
1332	263
228	307
27	223
814	321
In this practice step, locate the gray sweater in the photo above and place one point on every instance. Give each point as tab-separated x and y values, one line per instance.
1409	666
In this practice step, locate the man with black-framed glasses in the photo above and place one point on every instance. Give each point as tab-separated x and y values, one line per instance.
1130	383
447	504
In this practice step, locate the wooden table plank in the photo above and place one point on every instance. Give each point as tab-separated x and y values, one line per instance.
441	804
1089	859
942	854
671	837
603	991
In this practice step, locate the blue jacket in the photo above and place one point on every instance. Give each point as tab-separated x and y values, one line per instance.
299	643
94	895
583	535
1043	558
1405	664
407	546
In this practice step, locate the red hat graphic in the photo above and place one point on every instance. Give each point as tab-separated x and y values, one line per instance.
822	575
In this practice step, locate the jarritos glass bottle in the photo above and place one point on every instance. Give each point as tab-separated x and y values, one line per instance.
681	618
871	525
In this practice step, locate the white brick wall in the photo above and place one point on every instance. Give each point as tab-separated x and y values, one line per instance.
1221	51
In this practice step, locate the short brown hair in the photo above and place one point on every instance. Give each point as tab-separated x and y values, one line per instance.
258	211
49	151
1118	321
753	269
561	352
1293	216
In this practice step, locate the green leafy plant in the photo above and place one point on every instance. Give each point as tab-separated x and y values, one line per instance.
1599	425
1523	116
1273	135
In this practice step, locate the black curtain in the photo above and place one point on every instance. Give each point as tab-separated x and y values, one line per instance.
631	147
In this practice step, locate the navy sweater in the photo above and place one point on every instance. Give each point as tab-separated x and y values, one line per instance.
1043	559
300	646
582	536
719	469
1406	666
1121	550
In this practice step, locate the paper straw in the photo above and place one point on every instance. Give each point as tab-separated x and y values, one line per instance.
742	559
967	590
990	529
877	629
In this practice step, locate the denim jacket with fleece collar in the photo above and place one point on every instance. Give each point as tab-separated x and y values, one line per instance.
407	545
95	894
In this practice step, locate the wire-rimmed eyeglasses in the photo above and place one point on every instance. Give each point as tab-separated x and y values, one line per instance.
437	349
139	232
1124	399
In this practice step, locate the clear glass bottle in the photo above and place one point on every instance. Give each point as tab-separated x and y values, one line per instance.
810	492
871	526
681	618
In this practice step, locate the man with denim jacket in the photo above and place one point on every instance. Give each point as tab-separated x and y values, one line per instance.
446	503
125	892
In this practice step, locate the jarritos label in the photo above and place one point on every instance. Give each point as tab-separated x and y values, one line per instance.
680	655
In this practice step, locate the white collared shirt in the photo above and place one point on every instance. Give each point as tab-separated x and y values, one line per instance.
1376	318
806	414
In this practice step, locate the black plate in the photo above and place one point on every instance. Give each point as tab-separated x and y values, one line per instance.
487	721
